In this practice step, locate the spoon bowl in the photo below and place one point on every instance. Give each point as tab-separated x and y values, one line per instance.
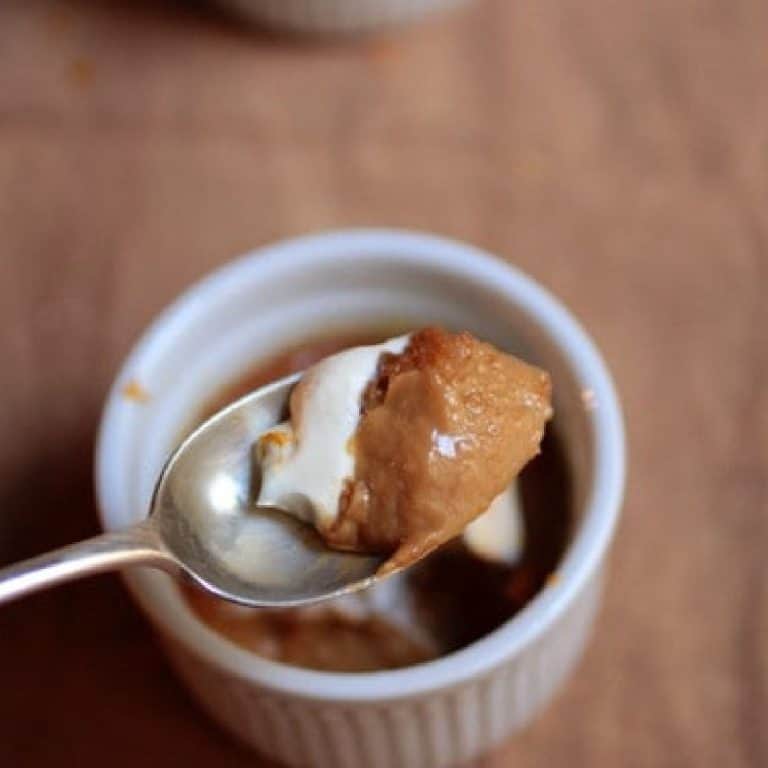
204	510
204	523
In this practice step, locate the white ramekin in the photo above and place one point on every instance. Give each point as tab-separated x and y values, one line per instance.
335	16
435	714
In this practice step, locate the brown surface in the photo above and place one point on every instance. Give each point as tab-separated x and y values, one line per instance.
618	151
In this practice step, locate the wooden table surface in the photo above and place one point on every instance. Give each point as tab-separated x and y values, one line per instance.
616	150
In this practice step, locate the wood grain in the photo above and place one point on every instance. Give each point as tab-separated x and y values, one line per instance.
617	151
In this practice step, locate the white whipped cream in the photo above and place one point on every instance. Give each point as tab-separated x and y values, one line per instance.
306	461
498	534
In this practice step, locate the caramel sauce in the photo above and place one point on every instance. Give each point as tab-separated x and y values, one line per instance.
326	639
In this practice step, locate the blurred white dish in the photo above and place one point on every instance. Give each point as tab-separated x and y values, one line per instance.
335	16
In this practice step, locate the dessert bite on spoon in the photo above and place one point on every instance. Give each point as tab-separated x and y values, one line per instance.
319	484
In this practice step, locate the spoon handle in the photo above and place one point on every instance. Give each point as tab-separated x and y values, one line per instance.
137	545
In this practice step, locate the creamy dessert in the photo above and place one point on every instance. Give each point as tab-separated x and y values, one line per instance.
395	448
463	591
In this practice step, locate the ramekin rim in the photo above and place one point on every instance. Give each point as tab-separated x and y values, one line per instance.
584	554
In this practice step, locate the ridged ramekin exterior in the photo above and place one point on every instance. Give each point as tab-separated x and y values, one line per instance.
443	728
335	16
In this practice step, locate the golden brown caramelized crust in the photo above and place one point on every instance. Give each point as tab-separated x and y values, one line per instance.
445	428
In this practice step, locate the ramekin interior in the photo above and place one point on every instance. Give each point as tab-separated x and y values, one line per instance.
298	288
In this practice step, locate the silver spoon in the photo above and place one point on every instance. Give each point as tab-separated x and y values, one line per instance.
203	523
